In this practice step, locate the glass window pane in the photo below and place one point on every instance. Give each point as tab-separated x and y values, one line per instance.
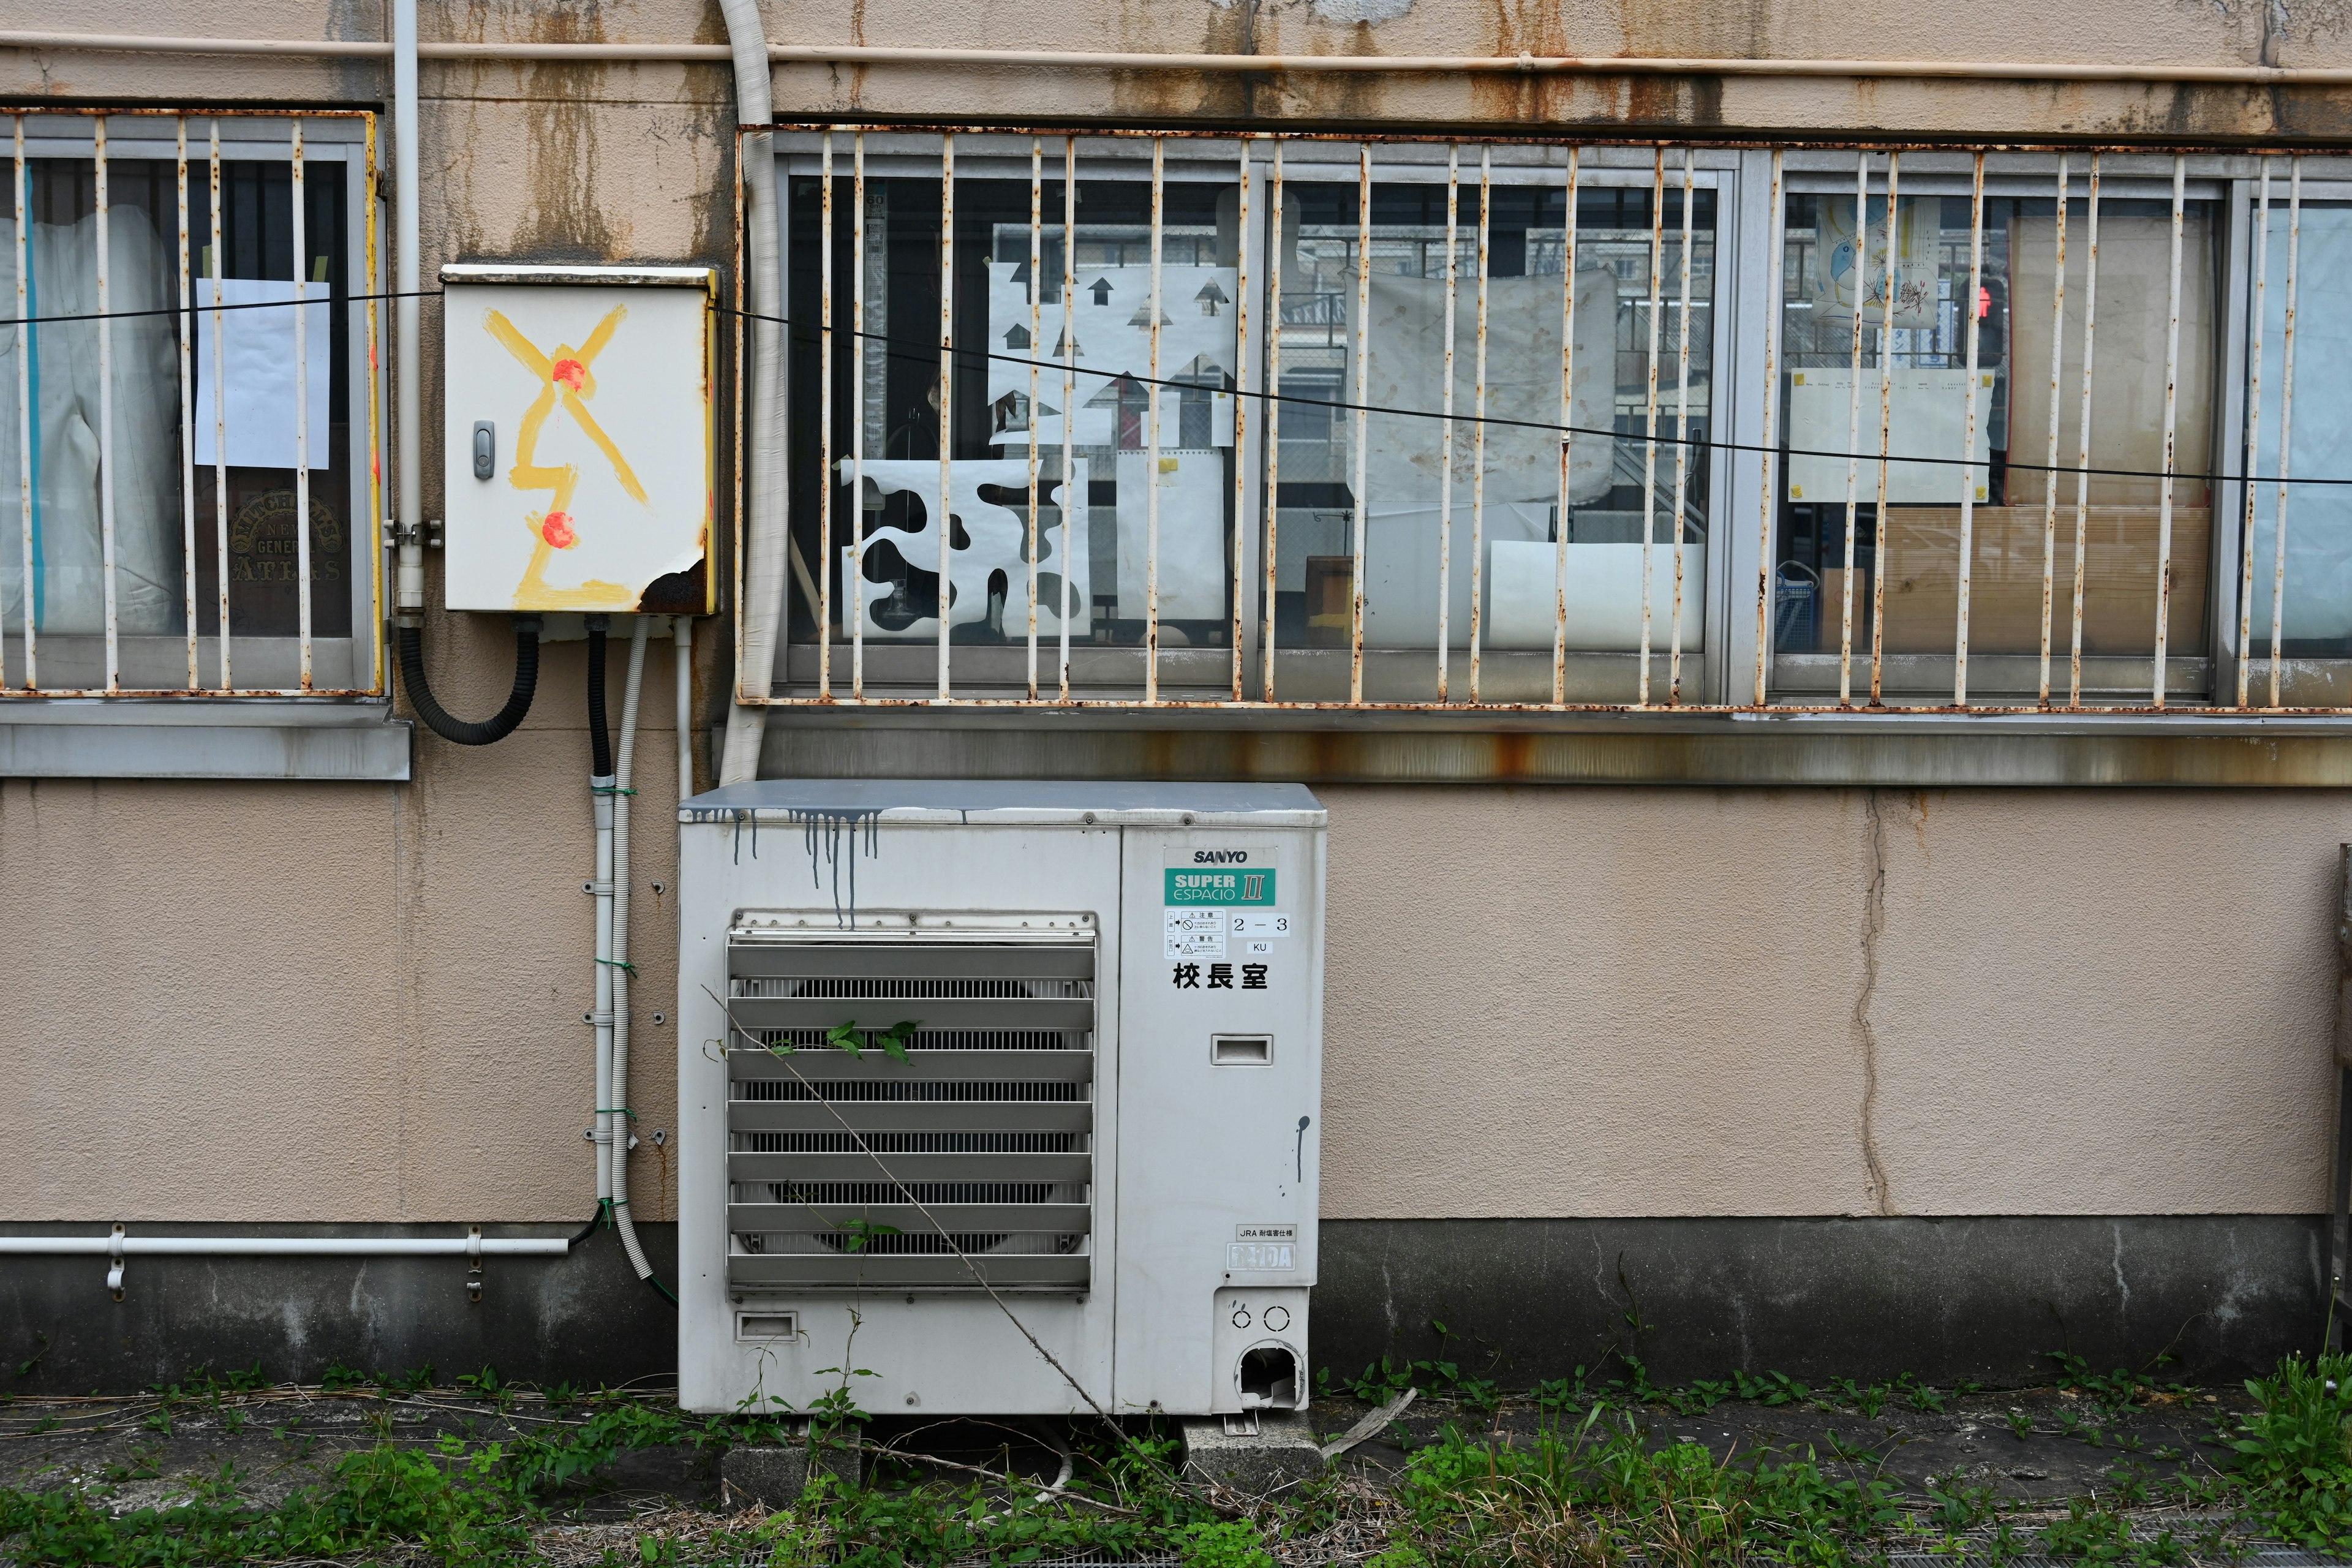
2318	599
1828	413
894	586
1419	519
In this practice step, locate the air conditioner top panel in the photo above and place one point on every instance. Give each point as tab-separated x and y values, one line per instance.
1008	802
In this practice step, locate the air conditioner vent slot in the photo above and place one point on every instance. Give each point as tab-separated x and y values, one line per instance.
971	1153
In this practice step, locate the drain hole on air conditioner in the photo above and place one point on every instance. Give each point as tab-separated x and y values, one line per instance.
1269	1378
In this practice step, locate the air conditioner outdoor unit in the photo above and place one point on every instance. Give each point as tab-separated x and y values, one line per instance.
1097	1136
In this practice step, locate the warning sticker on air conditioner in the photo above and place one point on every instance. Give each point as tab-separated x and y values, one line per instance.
1195	932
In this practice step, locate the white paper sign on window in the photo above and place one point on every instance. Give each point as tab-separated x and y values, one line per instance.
257	367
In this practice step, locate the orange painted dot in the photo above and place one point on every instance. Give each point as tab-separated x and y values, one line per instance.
570	373
556	529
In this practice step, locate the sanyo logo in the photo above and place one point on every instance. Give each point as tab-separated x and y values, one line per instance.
1219	857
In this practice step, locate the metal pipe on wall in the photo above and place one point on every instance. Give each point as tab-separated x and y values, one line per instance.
764	538
1257	65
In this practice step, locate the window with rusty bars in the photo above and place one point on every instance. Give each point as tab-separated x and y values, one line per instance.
186	425
1528	424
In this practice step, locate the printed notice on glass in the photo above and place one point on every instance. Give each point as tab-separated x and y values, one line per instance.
1195	932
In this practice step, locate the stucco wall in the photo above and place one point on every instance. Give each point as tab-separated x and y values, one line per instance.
1628	1001
320	1002
361	1002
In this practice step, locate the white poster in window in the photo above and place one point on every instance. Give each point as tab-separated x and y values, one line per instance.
1110	322
257	362
1832	281
1192	488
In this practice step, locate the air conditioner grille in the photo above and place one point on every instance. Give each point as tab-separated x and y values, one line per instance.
966	1154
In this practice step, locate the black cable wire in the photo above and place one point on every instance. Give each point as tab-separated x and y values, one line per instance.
467	733
595	1223
929	353
600	740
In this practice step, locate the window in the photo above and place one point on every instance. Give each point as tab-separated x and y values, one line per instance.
1730	430
1859	380
108	427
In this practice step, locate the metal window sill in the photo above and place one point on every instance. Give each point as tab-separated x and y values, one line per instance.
312	738
2196	747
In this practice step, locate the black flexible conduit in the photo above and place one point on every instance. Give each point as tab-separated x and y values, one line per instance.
467	733
599	739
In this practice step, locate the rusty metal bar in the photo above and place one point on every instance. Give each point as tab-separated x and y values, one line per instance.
1479	429
1445	425
1968	437
1362	334
1036	326
944	524
827	479
301	404
1151	435
1272	490
1074	496
853	571
1650	416
106	414
28	345
1885	428
1566	437
220	418
1854	428
2083	423
1240	423
1682	444
2171	392
2286	418
180	321
2253	447
1777	241
2049	462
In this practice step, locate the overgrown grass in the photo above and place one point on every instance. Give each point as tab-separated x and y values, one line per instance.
1593	1485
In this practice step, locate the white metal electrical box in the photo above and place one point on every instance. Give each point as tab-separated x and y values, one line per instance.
578	447
1093	1130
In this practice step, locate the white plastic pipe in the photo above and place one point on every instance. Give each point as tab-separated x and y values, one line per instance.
764	538
1128	60
408	352
623	1137
282	1246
